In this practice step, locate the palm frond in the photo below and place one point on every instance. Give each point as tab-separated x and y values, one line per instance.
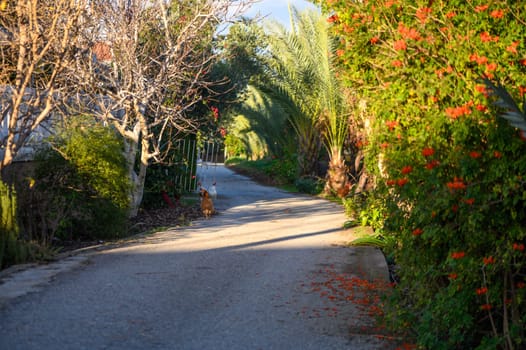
510	109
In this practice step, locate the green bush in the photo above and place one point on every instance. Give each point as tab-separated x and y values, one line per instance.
82	184
309	184
450	172
8	226
13	248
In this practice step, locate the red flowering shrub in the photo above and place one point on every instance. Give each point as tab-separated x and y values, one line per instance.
450	166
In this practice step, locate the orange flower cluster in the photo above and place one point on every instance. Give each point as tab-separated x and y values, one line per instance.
497	13
475	154
483	90
458	255
513	47
432	164
428	152
456	112
417	232
469	201
481	8
397	63
488	260
423	14
407	169
402	182
481	291
481	108
391	124
332	19
440	72
456	184
400	45
486	307
486	37
408	33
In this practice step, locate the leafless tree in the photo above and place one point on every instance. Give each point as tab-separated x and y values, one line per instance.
35	48
148	69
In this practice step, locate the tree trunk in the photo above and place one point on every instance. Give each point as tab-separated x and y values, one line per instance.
337	182
131	149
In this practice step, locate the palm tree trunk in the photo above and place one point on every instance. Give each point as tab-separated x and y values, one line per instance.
337	182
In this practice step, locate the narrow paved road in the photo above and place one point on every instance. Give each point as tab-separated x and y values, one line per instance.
248	278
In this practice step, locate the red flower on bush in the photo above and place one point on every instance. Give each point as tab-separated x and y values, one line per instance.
518	247
497	154
401	182
497	14
475	154
481	108
521	285
488	260
391	124
400	45
432	164
340	52
458	255
513	47
451	14
332	19
384	145
522	90
456	112
417	232
423	13
452	276
215	112
490	67
374	40
408	33
456	184
397	63
482	89
481	8
469	201
486	307
485	37
390	182
428	152
407	169
481	291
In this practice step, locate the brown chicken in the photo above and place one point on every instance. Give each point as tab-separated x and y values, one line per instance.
207	206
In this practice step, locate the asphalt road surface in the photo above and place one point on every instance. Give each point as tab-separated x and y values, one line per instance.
248	278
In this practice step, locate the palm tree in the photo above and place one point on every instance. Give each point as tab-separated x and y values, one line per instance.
301	68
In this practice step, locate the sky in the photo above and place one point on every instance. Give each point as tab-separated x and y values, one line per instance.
277	9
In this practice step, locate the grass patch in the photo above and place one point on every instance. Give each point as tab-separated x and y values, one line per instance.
271	172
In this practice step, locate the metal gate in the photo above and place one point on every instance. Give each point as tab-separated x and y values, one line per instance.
197	164
209	156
